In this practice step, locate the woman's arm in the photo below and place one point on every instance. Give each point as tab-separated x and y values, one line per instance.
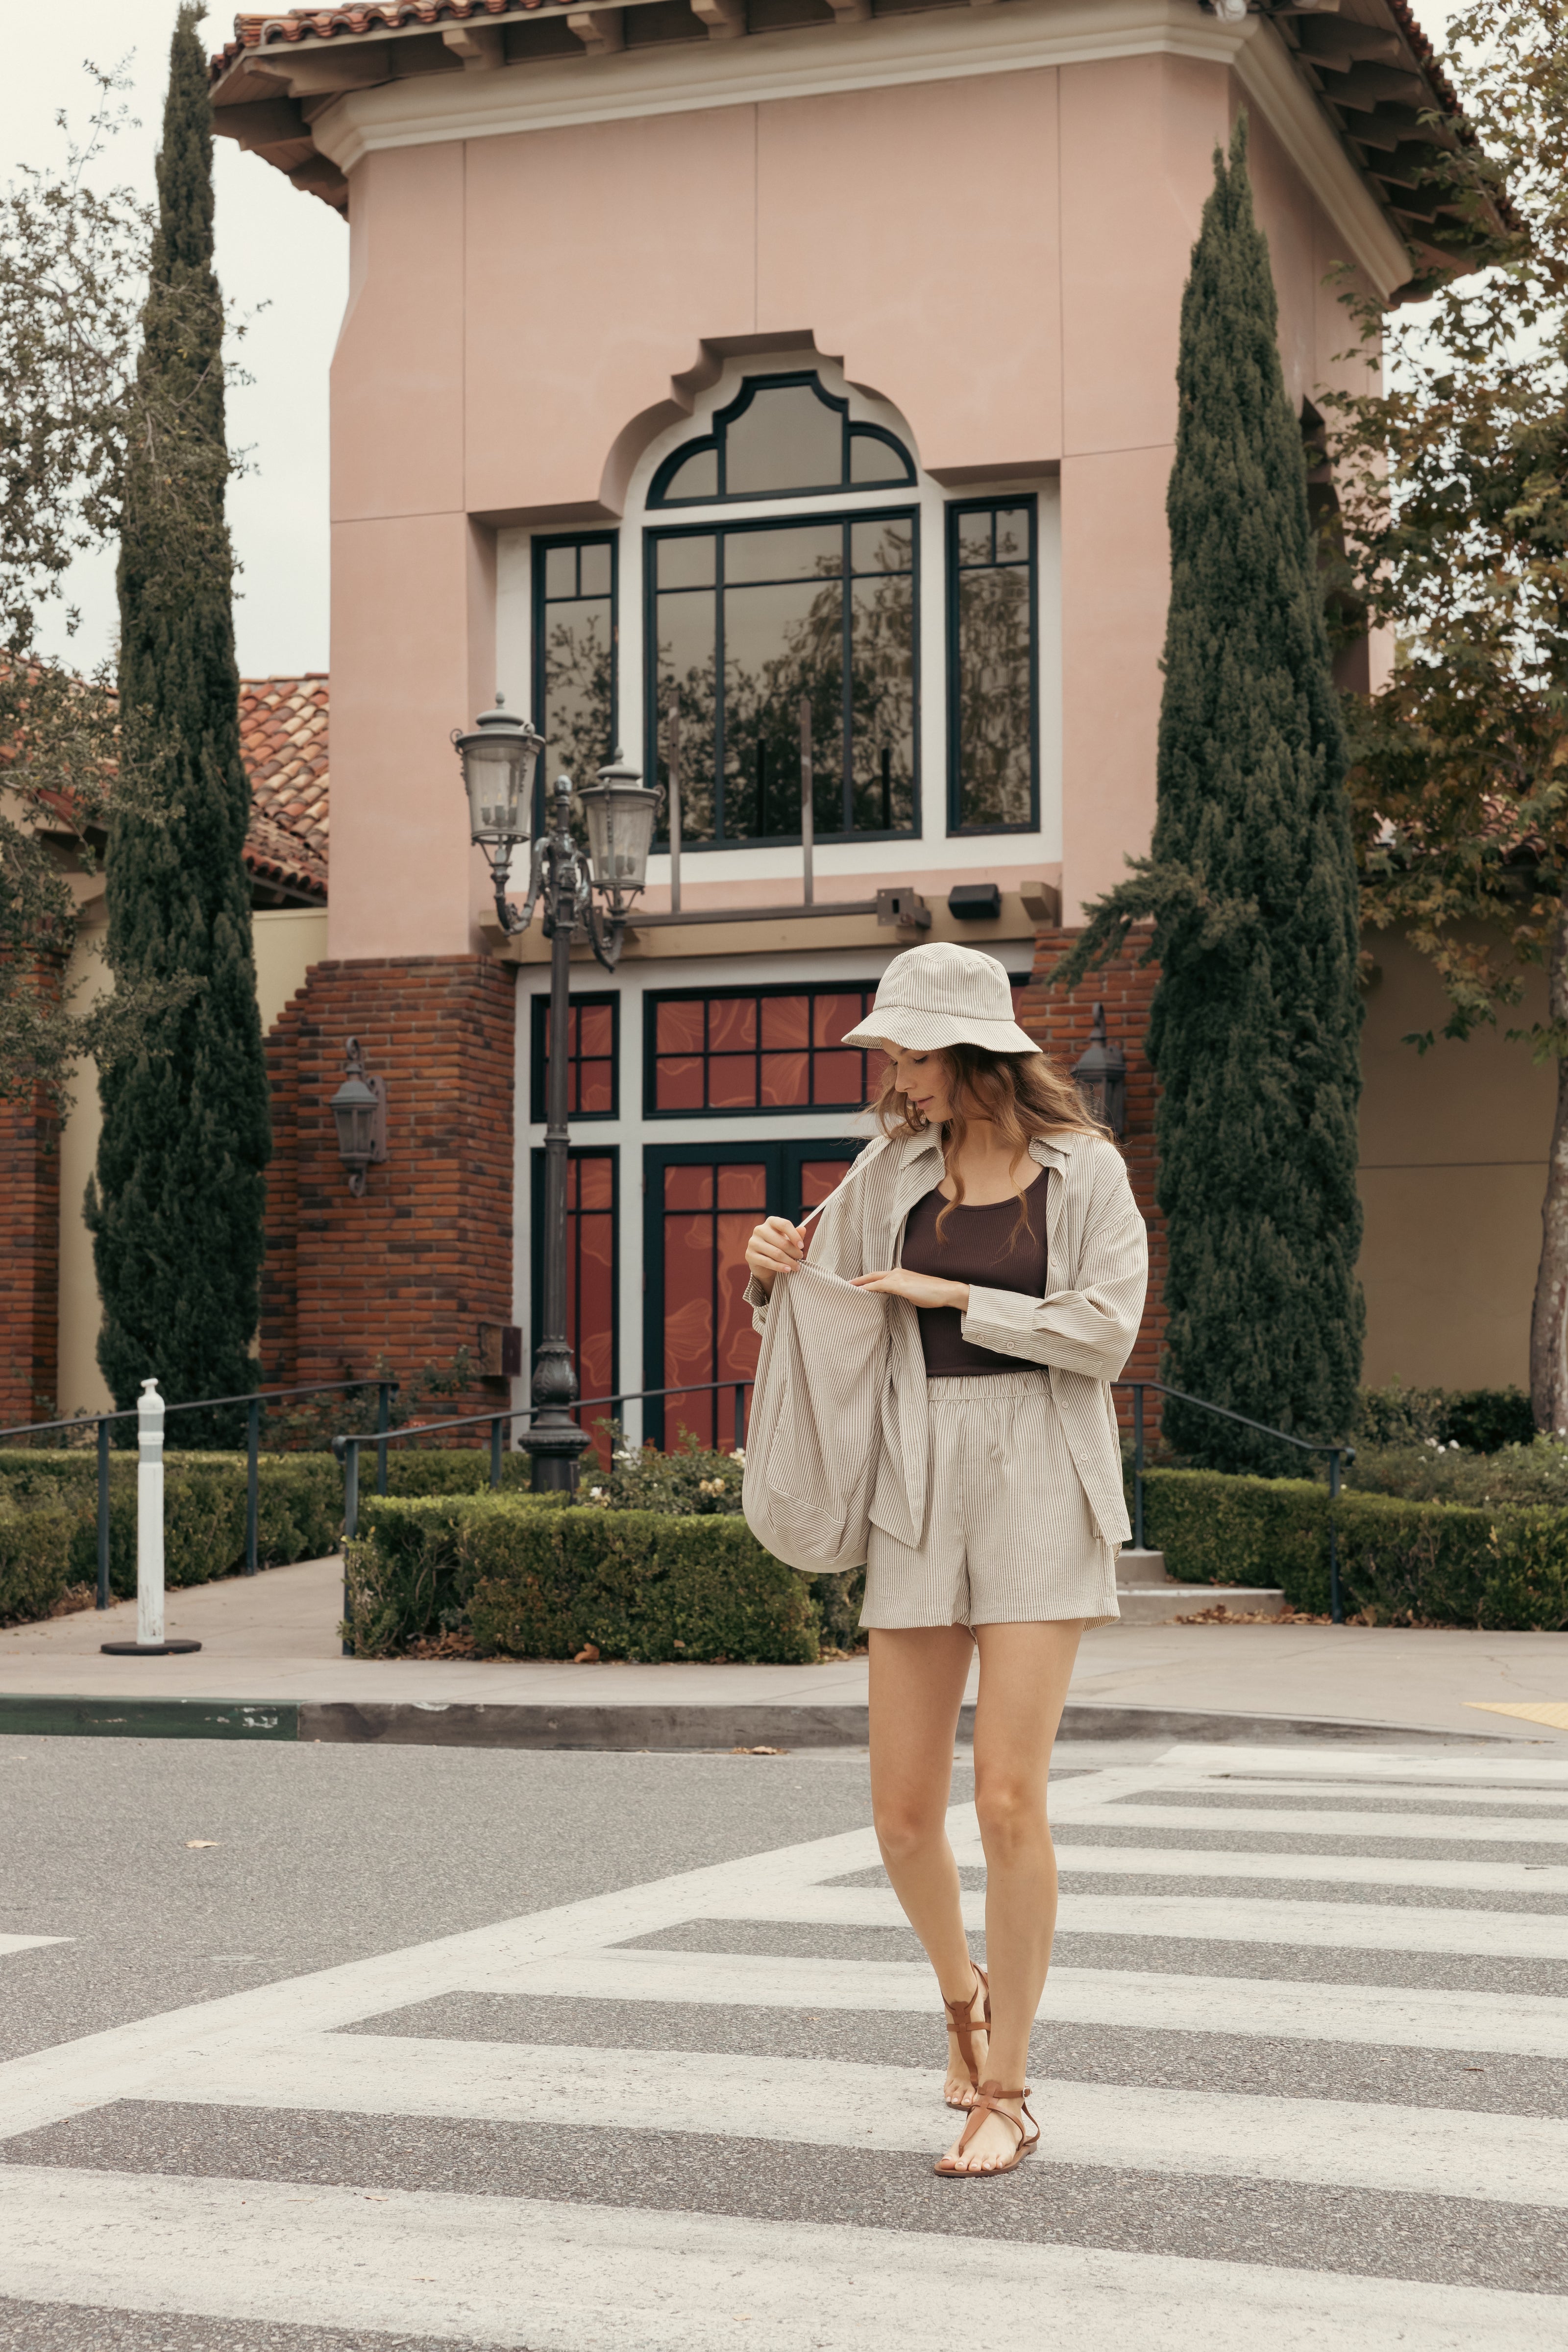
833	1242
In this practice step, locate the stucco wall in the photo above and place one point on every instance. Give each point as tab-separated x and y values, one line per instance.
287	941
1453	1168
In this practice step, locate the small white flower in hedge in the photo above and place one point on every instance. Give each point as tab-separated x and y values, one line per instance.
740	1455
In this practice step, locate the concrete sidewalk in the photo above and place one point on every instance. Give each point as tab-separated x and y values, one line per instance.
270	1667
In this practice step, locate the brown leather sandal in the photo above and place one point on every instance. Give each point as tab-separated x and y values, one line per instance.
988	2101
960	2022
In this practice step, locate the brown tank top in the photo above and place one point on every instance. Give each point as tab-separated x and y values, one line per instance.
976	1246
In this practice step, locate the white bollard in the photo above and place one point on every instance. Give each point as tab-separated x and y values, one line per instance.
150	1517
150	1640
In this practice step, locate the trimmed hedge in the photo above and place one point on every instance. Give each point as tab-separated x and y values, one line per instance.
34	1561
531	1579
299	1514
1401	1563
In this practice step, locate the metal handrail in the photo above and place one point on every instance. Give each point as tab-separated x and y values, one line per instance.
252	1399
1337	1453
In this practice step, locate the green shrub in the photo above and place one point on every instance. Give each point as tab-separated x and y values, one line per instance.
1402	1561
691	1480
1480	1421
35	1558
531	1578
1515	1477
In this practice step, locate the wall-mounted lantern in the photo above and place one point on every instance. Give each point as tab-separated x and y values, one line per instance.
359	1111
1100	1074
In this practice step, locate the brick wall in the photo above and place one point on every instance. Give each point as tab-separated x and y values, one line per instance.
29	1257
412	1268
1060	1019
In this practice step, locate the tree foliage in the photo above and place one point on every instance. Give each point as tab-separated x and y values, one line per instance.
176	1213
1250	889
73	262
1454	512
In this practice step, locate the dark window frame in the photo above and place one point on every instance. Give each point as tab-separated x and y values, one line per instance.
783	1160
539	607
845	519
538	1019
956	509
717	441
612	1152
654	997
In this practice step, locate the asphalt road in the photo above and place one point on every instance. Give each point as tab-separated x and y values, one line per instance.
575	2052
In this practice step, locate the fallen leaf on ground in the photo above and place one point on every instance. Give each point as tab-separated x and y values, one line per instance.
588	1656
191	1842
758	1751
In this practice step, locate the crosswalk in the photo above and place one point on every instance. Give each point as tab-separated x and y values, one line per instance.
1301	2067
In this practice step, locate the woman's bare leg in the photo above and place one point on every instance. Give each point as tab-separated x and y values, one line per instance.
1024	1676
918	1675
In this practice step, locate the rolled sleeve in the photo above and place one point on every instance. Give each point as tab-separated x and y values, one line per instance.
1090	1329
758	1300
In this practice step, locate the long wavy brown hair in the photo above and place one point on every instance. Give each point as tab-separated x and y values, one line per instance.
1024	1095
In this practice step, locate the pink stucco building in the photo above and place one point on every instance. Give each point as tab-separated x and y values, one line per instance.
698	356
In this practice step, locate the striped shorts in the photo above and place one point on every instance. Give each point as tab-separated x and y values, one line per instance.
1009	1535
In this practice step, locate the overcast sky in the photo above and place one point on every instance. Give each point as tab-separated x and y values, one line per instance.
274	248
283	259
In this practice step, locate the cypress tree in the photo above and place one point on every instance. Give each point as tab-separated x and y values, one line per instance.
176	1208
1254	1032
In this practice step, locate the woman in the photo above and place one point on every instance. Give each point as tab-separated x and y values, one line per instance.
997	1220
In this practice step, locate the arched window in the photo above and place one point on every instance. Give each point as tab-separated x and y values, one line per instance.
782	437
754	619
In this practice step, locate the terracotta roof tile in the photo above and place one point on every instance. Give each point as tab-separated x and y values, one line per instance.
283	742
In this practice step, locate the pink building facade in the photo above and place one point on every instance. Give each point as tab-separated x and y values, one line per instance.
701	358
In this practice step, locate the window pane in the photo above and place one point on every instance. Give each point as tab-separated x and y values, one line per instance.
872	460
783	1021
698	478
595	1028
812	552
689	1188
881	546
733	1024
1013	535
782	641
560	571
678	1085
743	1187
733	1081
786	1080
595	1188
835	1078
996	696
595	1089
686	562
883	702
787	439
594	575
818	1178
679	1027
687	654
974	538
576	713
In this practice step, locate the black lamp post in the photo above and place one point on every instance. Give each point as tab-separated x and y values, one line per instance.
499	759
1101	1072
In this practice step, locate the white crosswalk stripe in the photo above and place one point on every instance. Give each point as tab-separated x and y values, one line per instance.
618	2254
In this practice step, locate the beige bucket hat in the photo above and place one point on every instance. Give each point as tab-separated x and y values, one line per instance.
944	995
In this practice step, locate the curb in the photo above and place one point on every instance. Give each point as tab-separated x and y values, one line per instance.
433	1724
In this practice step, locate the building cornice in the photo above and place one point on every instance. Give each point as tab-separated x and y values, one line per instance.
1004	36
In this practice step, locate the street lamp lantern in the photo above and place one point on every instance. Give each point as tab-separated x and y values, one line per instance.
359	1114
499	759
1100	1074
620	810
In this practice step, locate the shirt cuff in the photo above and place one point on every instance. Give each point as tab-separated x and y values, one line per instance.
1002	1320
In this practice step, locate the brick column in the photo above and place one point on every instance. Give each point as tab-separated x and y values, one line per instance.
1060	1019
410	1269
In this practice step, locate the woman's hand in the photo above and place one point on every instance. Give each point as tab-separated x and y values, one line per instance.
920	1289
774	1247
